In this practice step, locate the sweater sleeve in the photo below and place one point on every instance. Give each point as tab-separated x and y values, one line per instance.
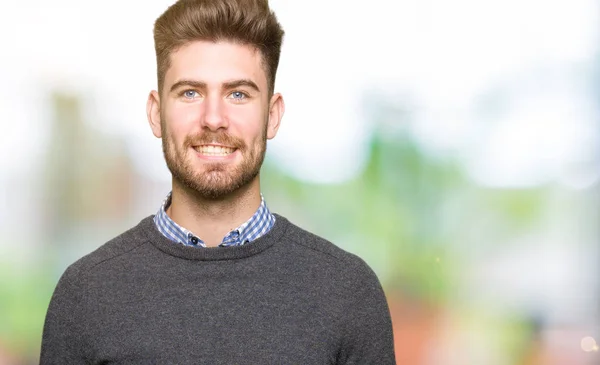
61	339
367	332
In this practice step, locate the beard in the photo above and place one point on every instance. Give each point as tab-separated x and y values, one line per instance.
215	180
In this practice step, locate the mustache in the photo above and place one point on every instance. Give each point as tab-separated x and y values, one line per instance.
214	137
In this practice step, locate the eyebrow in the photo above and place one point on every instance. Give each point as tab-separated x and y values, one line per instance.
242	82
227	85
190	83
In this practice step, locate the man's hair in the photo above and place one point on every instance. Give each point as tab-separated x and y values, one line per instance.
246	22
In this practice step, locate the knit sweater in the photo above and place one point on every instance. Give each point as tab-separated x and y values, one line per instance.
290	297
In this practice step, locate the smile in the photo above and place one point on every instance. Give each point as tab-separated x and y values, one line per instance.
211	150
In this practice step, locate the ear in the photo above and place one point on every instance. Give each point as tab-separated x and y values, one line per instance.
153	113
276	110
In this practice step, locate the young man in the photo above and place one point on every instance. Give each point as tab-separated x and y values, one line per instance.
214	277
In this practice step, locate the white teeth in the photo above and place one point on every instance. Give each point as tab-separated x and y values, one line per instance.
214	150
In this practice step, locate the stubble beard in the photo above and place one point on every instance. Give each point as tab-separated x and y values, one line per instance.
217	180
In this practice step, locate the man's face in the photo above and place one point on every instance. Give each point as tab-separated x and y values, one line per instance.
214	116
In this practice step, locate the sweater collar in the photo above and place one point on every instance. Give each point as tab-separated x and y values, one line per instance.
152	234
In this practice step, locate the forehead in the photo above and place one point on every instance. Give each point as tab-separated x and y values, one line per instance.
216	62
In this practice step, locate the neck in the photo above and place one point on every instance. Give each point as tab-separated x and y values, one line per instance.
213	219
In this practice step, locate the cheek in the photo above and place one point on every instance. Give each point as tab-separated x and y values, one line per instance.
249	123
181	122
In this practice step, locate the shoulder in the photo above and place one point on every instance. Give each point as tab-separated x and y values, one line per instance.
326	251
117	247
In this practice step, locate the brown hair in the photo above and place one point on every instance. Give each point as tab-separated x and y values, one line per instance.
247	22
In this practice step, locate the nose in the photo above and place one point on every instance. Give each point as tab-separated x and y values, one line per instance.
214	113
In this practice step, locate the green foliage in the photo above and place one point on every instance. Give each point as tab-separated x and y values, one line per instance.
24	298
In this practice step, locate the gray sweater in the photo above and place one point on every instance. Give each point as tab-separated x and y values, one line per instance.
289	297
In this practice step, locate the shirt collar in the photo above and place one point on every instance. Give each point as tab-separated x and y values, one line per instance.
259	224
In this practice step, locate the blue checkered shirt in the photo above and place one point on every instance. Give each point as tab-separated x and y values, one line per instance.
259	224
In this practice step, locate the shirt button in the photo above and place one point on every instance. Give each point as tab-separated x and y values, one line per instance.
194	240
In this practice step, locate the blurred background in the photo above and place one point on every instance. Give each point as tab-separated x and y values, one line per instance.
454	145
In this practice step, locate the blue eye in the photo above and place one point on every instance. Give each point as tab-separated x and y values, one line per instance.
238	95
190	94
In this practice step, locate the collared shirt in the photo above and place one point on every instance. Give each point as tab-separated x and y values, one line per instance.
259	224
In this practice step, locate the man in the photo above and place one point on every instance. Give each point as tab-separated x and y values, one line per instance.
214	277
